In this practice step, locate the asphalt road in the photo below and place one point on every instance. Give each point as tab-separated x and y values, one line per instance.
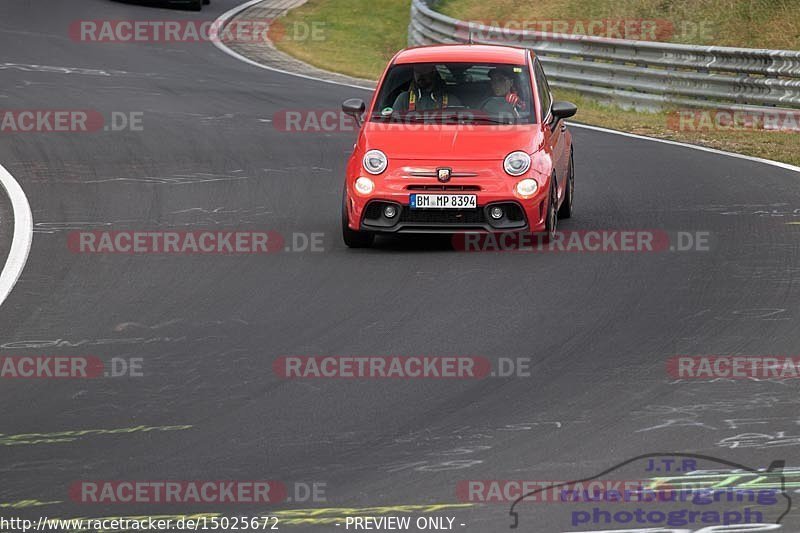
598	328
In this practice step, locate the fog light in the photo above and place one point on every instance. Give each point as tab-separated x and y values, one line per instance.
527	187
364	186
389	211
496	213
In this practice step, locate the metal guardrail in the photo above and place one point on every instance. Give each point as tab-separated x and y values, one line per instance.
638	74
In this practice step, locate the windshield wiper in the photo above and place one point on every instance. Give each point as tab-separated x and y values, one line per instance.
451	118
489	120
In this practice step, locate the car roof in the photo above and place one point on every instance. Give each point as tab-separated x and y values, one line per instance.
462	53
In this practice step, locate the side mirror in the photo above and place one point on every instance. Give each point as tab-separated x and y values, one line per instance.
562	110
354	107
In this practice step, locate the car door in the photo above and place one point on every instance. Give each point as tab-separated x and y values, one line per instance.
554	133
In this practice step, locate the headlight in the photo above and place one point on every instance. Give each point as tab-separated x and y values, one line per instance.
375	162
517	163
527	187
364	186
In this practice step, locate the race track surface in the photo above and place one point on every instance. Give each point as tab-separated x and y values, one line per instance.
598	327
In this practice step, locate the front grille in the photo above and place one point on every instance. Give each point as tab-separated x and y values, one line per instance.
374	210
443	188
442	216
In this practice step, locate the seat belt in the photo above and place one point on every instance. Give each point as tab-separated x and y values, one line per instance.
412	100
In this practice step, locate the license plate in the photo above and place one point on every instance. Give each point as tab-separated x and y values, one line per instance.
444	201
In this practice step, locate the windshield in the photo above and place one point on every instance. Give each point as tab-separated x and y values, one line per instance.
456	92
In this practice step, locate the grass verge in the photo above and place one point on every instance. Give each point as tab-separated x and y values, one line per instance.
357	37
746	23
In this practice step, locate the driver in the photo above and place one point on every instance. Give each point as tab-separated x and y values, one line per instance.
427	92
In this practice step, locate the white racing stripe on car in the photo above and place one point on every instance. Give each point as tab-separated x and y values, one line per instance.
23	234
225	17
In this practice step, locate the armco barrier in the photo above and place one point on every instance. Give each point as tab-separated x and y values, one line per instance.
639	74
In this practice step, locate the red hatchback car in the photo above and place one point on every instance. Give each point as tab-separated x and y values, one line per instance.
459	138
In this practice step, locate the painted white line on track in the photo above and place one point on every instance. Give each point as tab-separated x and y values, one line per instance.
23	234
786	166
225	17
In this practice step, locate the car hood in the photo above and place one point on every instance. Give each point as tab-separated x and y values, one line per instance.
452	142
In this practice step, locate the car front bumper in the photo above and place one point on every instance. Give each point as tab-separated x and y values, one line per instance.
516	218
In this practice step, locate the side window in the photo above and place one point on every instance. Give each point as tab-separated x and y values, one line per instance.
543	88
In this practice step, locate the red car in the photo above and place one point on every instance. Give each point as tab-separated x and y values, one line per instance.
459	138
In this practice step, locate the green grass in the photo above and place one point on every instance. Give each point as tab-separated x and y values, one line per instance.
360	36
745	23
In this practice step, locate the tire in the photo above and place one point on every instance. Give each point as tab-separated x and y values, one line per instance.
566	206
353	238
206	2
551	222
